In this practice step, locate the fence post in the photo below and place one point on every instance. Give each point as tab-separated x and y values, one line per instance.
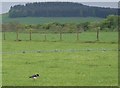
30	34
17	35
98	33
4	35
77	35
45	36
60	35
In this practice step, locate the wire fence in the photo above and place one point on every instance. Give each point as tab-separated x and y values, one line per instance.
58	51
37	35
60	36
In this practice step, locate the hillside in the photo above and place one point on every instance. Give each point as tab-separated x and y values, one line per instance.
43	20
59	9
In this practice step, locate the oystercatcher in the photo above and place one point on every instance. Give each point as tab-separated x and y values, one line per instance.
34	76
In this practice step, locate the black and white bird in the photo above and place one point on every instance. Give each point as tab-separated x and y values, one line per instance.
34	76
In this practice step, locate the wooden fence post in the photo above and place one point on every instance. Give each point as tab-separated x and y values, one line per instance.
60	35
17	34
98	33
77	35
45	36
30	34
4	35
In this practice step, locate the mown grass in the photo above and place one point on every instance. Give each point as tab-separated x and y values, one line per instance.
84	68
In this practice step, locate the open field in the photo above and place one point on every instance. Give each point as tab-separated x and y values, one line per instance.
98	67
43	20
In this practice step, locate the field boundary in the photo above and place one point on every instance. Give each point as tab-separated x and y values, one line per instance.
57	50
60	37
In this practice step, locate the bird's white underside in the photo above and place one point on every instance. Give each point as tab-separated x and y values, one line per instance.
34	77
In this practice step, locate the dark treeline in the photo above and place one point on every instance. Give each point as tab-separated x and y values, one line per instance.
59	9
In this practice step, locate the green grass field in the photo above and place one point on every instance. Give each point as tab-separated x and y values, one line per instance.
83	68
43	20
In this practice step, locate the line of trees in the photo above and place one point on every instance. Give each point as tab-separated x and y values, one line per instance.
111	23
108	24
59	9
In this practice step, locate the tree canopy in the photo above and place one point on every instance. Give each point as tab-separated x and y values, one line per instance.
59	9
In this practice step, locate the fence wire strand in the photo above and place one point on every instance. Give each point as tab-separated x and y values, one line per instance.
57	51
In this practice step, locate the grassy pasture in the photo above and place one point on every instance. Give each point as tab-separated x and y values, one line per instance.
82	68
43	20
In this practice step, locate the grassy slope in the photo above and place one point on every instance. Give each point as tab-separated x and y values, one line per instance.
60	68
41	20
